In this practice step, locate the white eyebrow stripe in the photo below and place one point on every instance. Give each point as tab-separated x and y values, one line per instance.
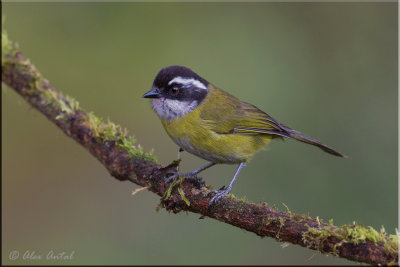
188	81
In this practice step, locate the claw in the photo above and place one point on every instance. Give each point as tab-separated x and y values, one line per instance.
170	178
219	194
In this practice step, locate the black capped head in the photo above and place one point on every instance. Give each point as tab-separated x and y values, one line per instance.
176	91
178	82
168	74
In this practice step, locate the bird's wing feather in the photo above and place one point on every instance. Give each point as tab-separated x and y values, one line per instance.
228	115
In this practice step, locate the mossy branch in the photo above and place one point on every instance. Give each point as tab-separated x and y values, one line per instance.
117	151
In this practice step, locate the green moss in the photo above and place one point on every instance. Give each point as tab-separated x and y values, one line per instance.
359	234
281	221
36	79
287	209
74	105
176	182
7	46
269	219
391	245
68	105
240	207
168	192
110	132
354	234
180	191
64	107
8	52
240	199
35	83
266	220
244	199
53	98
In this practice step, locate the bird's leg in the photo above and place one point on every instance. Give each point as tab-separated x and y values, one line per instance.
192	174
225	191
179	153
179	158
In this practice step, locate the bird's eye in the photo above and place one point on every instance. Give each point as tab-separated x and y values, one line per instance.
173	91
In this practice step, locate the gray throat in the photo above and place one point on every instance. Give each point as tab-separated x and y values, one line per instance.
171	109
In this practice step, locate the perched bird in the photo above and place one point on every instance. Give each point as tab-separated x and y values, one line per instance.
214	125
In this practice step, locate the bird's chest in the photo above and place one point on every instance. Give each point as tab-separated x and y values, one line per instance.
188	132
194	136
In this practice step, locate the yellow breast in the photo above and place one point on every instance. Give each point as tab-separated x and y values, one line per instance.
195	135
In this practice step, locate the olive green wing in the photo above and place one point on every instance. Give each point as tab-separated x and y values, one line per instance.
225	114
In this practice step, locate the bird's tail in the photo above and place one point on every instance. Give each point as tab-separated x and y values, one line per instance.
290	133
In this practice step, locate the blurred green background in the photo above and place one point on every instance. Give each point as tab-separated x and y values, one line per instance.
326	69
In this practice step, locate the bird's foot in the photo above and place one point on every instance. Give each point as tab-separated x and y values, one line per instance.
218	194
170	178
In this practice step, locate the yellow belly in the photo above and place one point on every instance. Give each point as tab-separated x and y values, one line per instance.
193	136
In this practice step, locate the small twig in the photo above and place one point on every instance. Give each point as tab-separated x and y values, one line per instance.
137	190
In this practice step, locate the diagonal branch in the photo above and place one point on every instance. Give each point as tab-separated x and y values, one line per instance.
111	145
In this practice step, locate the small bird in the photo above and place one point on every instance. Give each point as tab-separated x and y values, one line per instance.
212	124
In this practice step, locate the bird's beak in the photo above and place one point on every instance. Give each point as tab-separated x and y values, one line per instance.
152	94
